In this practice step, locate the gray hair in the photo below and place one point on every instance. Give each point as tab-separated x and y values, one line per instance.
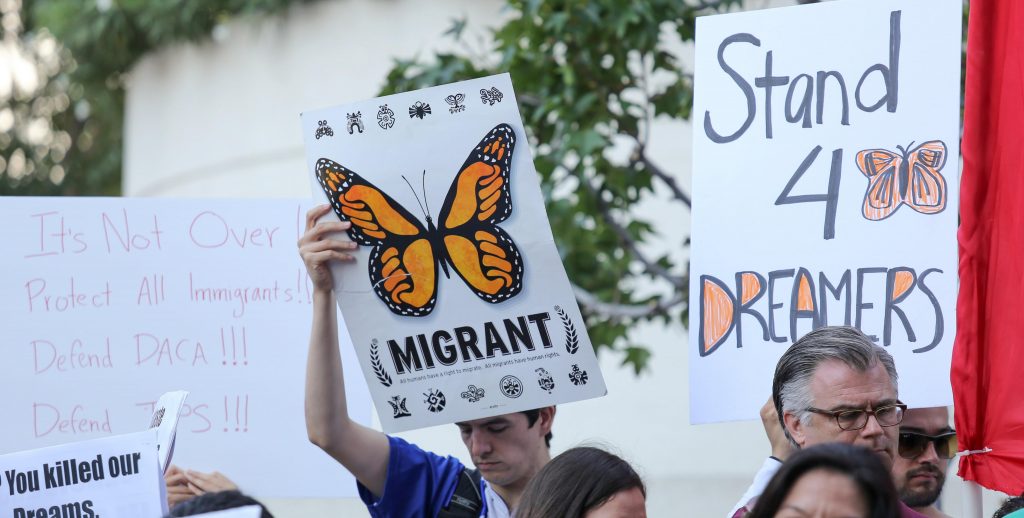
791	385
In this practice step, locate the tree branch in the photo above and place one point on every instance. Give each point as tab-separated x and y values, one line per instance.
640	156
627	240
615	311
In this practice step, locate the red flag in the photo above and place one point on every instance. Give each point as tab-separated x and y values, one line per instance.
988	354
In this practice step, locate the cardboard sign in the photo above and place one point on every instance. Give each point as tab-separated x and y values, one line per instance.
165	420
110	302
825	192
458	306
111	477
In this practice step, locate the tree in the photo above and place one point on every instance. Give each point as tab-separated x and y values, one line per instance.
590	75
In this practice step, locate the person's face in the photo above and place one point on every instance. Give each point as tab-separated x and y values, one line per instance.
628	503
822	493
919	480
835	386
505	448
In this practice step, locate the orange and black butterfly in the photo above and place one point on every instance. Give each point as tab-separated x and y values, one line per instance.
909	177
405	256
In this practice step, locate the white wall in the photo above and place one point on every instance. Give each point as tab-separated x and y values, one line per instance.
221	119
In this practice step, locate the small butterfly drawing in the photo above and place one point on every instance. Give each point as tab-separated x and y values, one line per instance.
910	177
404	260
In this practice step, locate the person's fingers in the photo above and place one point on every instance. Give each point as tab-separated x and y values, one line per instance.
314	214
318	232
174	479
318	260
339	245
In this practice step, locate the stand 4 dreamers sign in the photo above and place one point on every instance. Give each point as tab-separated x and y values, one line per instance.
470	315
111	477
825	192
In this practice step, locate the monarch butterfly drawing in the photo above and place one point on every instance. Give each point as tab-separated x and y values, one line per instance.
911	177
405	256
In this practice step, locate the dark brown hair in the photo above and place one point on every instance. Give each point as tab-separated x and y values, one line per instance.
863	467
575	482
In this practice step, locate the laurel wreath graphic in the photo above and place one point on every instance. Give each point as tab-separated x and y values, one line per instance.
378	368
572	339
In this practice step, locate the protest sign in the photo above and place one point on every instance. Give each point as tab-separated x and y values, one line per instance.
110	302
469	315
165	420
110	477
824	192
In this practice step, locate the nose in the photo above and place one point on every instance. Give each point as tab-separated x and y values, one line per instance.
929	455
479	444
872	428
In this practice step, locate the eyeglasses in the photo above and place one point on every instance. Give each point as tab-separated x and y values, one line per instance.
913	444
888	415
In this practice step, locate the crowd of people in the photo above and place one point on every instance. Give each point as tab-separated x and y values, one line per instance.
843	444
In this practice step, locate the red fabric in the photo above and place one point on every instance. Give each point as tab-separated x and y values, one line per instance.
988	355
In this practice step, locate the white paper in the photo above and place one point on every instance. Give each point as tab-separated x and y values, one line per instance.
165	420
886	262
110	302
411	147
111	477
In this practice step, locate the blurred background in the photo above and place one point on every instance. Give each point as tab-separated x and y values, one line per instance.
201	98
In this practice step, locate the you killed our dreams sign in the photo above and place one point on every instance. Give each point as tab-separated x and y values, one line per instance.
825	192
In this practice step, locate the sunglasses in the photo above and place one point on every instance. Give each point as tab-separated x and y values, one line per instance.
914	444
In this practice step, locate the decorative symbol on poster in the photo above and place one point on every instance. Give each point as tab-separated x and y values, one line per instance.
158	418
473	394
544	379
490	96
454	103
385	117
908	177
572	339
577	376
419	109
435	400
469	238
511	386
323	130
378	368
355	122
398	406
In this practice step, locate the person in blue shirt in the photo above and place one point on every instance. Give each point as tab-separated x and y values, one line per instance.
396	478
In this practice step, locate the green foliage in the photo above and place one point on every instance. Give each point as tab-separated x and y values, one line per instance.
66	134
589	75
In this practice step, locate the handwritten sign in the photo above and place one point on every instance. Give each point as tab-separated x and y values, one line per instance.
111	477
825	192
110	302
467	315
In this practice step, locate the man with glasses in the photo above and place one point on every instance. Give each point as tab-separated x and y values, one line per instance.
834	385
926	445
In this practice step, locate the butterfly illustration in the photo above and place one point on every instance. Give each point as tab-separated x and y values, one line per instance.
909	177
405	257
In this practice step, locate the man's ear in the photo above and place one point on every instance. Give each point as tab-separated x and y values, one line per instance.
545	418
796	428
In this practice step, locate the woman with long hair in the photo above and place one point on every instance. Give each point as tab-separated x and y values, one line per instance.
584	482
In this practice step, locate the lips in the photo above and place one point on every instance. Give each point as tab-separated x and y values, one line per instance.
925	472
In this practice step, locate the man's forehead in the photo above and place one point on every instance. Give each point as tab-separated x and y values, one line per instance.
927	420
486	421
836	384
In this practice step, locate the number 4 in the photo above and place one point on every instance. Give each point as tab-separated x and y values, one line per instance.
831	198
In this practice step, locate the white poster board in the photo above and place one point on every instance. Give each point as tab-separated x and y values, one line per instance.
825	191
110	302
110	477
469	315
